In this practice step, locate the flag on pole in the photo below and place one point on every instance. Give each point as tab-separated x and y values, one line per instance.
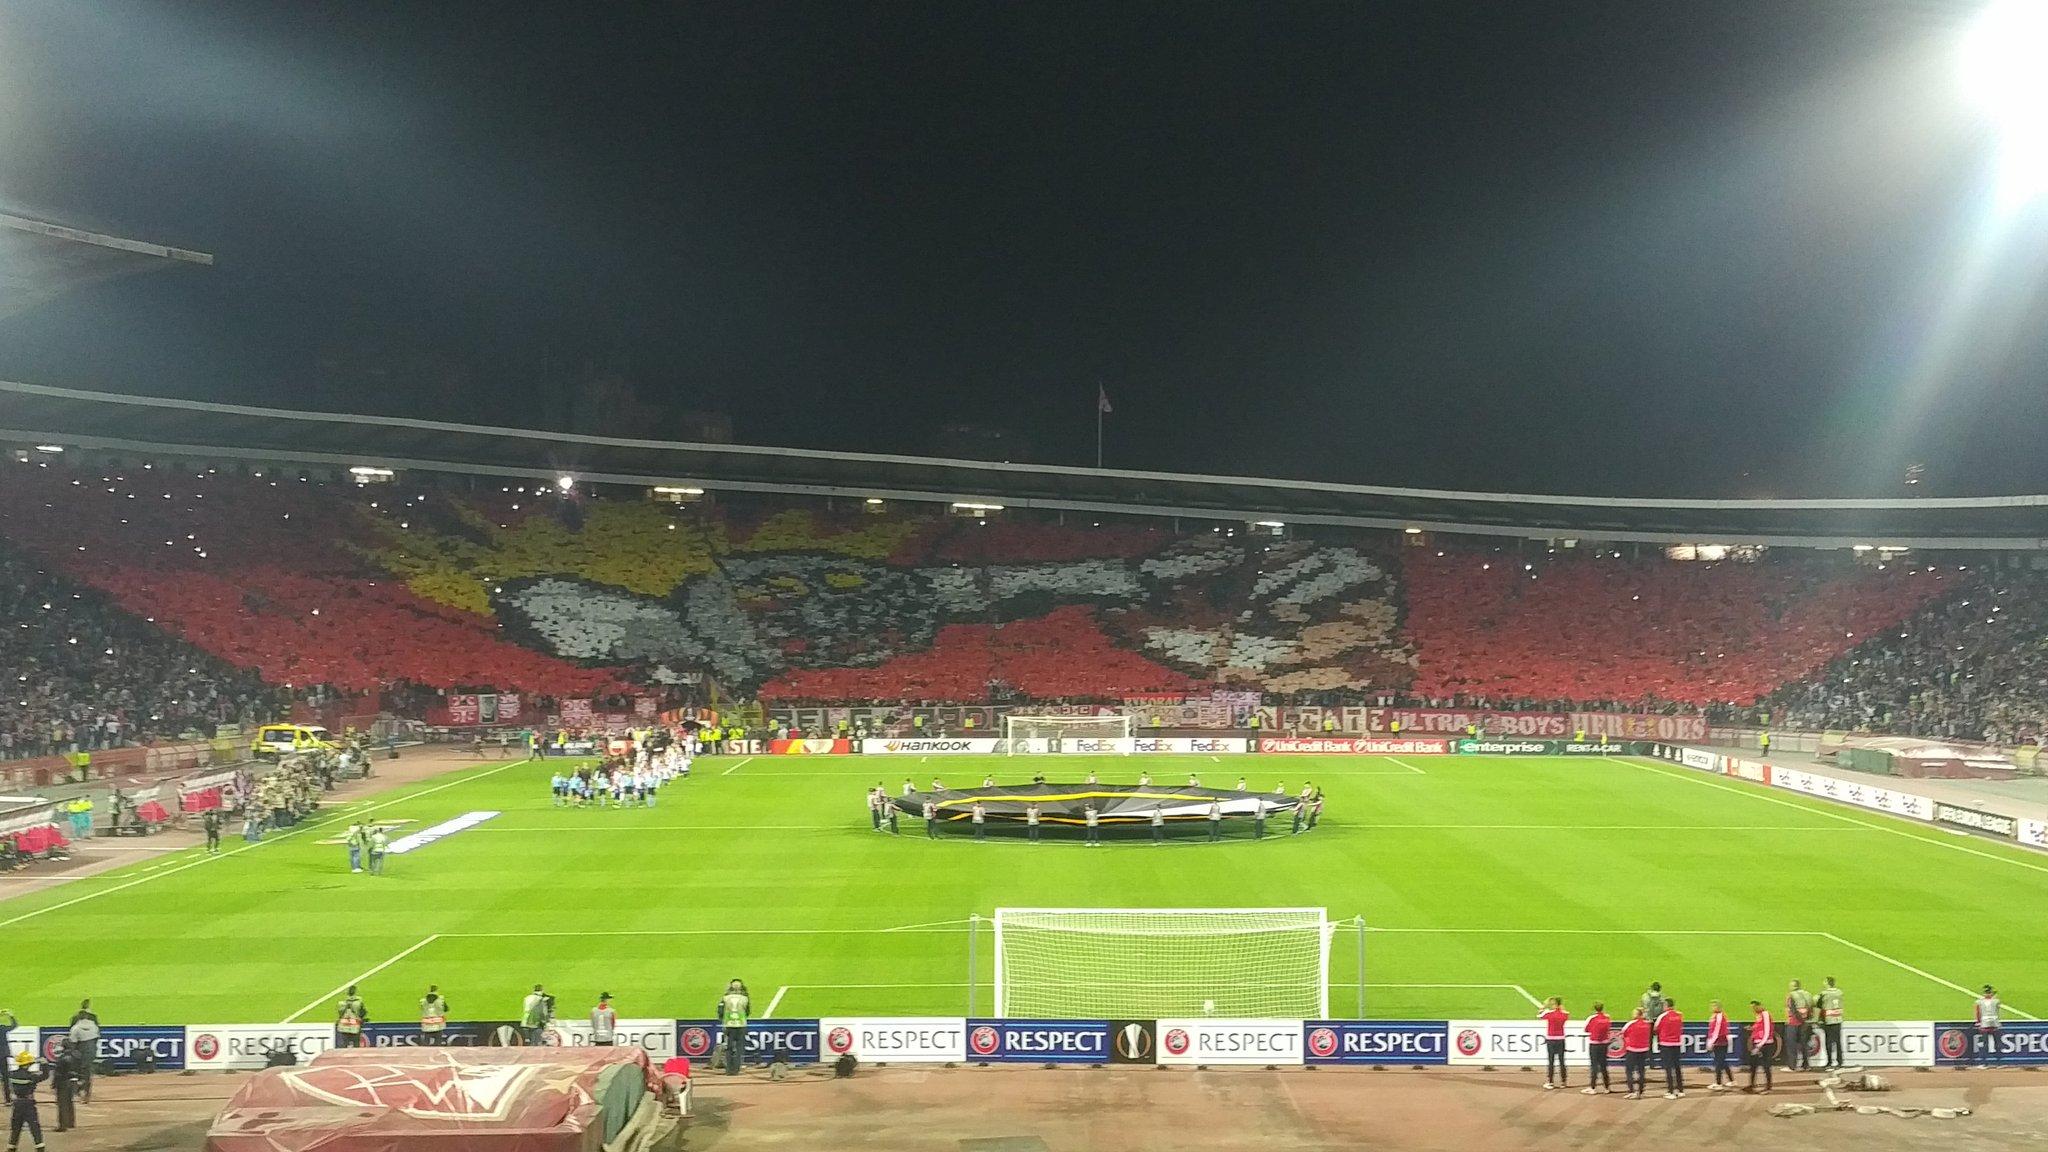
1102	400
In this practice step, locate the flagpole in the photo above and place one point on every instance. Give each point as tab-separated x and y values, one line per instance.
1098	433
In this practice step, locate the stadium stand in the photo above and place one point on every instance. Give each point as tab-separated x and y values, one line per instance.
1971	665
409	590
87	675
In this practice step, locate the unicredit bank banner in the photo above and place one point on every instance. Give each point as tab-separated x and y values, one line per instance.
894	1039
1038	1041
1229	1041
930	746
1353	745
1388	1042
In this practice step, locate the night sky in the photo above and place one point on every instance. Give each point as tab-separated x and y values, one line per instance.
1720	248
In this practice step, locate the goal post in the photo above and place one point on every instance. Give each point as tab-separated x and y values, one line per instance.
1139	963
1033	735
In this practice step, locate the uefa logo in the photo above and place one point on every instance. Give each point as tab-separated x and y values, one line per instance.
205	1046
695	1041
1953	1043
1469	1042
985	1040
839	1041
1322	1042
1175	1042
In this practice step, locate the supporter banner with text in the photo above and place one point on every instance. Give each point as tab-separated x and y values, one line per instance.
895	1039
1555	725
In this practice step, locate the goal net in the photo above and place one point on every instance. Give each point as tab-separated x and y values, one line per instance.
1068	734
1120	963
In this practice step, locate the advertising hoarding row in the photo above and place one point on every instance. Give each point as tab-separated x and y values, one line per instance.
1207	1042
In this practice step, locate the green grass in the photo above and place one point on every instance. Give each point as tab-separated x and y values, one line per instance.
1573	877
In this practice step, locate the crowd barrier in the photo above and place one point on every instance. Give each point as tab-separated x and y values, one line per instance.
976	1040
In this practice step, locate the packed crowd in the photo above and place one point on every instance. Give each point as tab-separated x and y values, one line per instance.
1971	666
87	675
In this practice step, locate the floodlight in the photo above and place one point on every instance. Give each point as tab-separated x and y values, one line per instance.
2001	72
565	482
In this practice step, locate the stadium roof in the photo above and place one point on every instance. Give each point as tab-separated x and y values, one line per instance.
158	427
40	260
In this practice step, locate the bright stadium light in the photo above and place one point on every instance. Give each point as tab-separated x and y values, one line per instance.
49	447
565	482
2002	74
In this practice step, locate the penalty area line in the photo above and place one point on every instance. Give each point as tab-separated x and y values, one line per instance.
1920	972
737	767
345	985
774	1001
1407	765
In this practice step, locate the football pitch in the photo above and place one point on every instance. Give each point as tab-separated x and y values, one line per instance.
1485	883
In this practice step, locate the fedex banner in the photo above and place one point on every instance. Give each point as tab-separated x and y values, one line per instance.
1852	792
1190	744
895	1039
1387	1042
245	1047
2019	1042
791	1041
930	746
1210	1041
1353	745
1038	1041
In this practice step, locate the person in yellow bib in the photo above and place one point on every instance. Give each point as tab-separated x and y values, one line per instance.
433	1018
733	1008
349	1017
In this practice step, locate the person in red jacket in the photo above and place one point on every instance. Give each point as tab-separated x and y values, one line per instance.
1720	1041
1554	1019
1635	1055
1599	1033
1670	1046
1763	1044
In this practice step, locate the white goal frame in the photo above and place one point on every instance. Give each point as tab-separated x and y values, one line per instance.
1311	919
1042	731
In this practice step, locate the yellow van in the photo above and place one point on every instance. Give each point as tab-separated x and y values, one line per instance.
285	739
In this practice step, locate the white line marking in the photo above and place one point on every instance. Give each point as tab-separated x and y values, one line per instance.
1407	765
779	994
1826	810
344	986
1526	996
684	932
736	767
928	924
1606	931
614	830
267	839
1921	972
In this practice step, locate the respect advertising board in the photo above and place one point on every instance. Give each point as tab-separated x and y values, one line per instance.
1256	1042
2019	1042
130	1046
791	1041
245	1047
929	746
1382	1042
894	1039
1038	1041
655	1037
1506	1042
1353	746
458	1034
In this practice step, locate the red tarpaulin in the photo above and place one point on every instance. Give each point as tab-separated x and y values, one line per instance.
202	800
447	1099
152	812
40	839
